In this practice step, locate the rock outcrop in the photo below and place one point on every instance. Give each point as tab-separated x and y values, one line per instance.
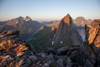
41	28
16	53
92	33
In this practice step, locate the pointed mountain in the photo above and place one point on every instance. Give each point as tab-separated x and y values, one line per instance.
66	32
28	18
67	19
15	21
20	17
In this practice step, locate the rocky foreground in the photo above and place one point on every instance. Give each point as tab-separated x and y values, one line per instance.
16	53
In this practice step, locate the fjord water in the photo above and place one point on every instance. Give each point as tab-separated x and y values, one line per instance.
82	33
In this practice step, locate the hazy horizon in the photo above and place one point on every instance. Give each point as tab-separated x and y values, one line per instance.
43	10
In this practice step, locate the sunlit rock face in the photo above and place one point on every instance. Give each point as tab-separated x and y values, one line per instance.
13	51
16	53
92	33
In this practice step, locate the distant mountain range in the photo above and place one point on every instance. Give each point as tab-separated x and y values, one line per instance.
79	22
50	22
26	26
55	34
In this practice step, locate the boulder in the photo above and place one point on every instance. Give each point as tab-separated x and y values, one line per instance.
20	54
21	62
9	33
60	62
88	63
50	50
4	45
62	51
71	50
50	57
42	55
33	57
17	50
5	60
27	63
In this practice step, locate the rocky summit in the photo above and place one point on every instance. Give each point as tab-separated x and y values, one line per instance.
16	53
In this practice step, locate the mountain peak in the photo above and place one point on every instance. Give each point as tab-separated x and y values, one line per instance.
82	18
28	18
20	17
64	30
67	19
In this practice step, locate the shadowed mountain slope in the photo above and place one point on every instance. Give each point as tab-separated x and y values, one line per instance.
25	25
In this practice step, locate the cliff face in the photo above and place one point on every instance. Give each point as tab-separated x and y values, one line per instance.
65	31
92	33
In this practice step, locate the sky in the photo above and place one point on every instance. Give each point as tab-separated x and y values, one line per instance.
47	10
